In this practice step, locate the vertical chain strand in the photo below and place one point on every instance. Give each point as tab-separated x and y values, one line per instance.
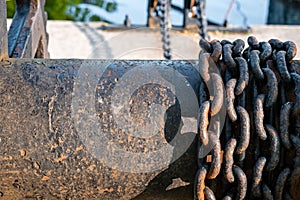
202	20
165	27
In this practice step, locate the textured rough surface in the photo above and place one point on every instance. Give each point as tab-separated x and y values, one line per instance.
3	31
42	155
253	141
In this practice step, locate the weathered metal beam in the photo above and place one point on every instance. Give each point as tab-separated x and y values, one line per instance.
45	150
27	34
3	31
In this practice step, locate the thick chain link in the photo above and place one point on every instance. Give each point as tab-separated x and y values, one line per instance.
164	6
260	147
202	21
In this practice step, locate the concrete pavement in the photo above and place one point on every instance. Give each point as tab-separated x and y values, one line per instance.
88	40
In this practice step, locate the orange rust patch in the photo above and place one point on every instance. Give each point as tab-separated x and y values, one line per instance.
23	152
45	178
78	149
102	191
63	157
92	167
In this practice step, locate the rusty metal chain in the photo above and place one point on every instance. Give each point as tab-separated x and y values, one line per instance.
164	6
258	152
202	21
210	167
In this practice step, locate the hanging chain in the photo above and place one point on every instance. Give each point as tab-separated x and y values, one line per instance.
202	20
165	27
258	151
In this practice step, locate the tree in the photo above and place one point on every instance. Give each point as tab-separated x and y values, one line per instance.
57	9
10	8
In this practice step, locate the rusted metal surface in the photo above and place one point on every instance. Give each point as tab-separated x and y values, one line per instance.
260	138
3	31
41	153
27	35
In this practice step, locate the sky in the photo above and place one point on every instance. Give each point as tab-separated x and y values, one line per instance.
255	12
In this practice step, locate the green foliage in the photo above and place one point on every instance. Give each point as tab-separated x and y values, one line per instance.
95	18
11	6
99	3
84	14
57	9
111	6
108	5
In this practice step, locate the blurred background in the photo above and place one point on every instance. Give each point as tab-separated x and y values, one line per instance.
91	28
243	12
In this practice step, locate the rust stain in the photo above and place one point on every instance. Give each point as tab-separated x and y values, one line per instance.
45	178
6	158
92	167
102	191
209	157
23	152
60	159
60	140
10	172
114	175
54	146
36	165
78	149
4	56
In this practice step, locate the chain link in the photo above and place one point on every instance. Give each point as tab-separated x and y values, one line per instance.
164	6
202	20
262	120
